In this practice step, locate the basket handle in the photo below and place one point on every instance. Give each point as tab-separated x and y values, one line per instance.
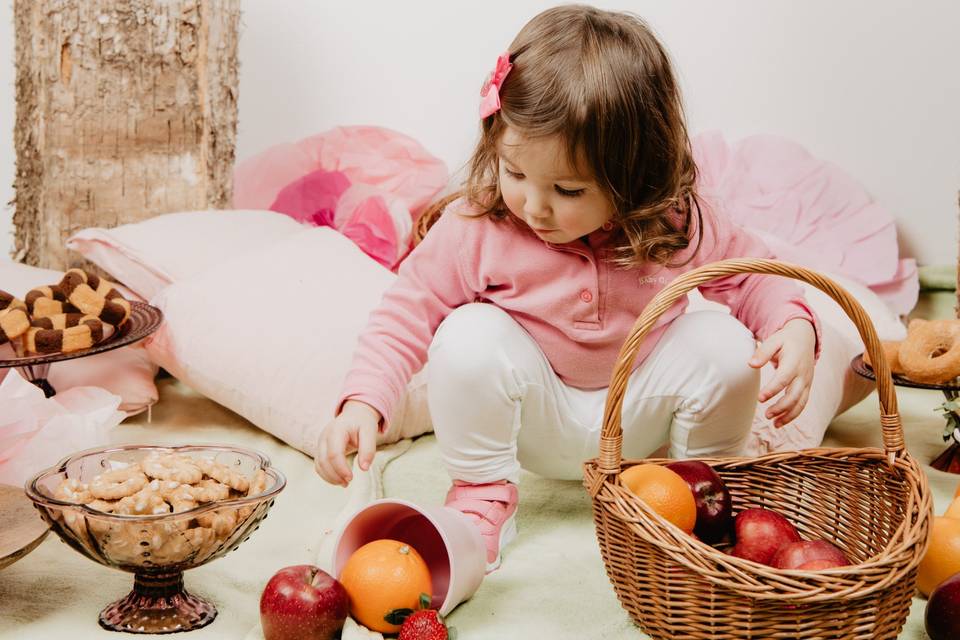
611	438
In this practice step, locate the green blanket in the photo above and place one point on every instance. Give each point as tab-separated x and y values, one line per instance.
552	582
551	585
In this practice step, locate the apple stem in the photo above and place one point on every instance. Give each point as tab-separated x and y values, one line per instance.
313	576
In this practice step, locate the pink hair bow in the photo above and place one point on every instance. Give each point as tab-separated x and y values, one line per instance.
490	93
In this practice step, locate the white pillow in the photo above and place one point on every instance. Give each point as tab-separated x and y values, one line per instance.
150	255
126	372
271	334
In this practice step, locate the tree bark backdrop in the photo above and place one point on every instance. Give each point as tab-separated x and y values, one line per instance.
125	109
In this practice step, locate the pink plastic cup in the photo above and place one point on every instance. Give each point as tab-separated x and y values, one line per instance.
446	539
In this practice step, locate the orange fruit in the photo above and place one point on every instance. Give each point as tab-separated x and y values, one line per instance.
664	491
381	577
942	559
953	511
956	494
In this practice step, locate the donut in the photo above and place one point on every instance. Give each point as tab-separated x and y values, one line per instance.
931	352
891	349
14	321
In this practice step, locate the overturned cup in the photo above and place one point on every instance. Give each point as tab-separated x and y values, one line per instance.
447	541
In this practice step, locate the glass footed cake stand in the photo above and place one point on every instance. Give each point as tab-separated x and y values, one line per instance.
157	549
144	320
949	460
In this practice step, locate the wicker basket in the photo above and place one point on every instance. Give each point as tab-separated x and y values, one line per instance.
875	504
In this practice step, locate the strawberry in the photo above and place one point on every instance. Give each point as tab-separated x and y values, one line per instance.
425	624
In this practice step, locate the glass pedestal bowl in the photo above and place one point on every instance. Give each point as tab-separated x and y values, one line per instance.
157	549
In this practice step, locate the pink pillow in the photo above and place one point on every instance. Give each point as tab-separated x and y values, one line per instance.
127	372
370	183
808	211
150	255
279	364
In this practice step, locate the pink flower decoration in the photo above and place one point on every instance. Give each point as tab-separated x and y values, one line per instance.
490	93
371	228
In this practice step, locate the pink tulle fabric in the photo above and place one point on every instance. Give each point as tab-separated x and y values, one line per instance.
808	211
370	183
36	432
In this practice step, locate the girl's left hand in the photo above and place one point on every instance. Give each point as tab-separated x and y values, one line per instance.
791	349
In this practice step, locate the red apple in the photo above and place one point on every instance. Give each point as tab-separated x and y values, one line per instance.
760	533
809	555
714	504
303	602
942	617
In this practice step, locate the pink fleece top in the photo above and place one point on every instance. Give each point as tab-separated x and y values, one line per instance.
576	306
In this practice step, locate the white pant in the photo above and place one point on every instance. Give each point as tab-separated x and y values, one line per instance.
497	404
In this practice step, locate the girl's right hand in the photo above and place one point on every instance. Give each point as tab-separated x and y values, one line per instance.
355	429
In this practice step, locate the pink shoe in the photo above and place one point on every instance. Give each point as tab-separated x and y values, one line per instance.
492	507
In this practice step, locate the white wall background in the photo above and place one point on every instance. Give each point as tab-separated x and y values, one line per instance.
872	85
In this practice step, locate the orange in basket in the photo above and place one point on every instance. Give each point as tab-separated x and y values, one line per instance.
665	491
873	503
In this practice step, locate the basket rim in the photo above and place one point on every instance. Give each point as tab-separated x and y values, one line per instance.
611	435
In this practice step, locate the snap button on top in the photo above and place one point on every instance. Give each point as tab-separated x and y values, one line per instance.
586	296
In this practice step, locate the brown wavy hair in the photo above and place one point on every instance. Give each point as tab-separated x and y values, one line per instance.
602	81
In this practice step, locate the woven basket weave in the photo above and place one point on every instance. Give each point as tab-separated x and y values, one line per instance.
875	504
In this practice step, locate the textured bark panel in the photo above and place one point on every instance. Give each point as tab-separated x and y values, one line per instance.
125	109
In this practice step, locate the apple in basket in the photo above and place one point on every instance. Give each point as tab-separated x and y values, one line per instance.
760	533
714	504
942	618
809	555
303	602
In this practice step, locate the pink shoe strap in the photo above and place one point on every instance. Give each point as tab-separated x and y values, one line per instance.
488	510
501	492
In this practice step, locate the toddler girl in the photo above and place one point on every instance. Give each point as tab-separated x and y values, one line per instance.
579	206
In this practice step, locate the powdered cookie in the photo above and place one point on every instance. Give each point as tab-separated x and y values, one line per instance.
222	521
224	474
208	490
118	483
106	506
143	503
74	491
172	467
